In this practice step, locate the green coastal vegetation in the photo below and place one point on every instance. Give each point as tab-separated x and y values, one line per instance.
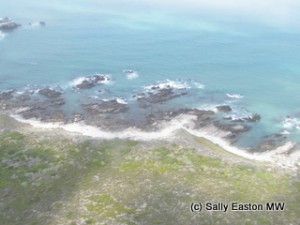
50	178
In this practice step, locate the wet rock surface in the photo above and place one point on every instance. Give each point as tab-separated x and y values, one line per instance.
158	96
54	117
50	93
224	108
233	128
6	95
147	111
7	24
23	97
91	81
110	106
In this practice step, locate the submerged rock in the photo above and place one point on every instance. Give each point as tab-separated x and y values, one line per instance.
50	93
270	142
58	102
38	23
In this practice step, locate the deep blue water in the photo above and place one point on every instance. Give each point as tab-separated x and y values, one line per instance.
256	61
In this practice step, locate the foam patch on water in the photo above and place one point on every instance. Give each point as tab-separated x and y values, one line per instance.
236	96
131	74
118	100
199	85
2	35
290	124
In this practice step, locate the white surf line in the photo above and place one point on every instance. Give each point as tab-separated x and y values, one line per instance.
276	156
87	130
264	156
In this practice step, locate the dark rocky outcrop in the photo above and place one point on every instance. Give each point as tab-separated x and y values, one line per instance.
6	95
111	106
7	24
158	96
50	93
233	128
54	117
224	108
23	97
40	109
91	81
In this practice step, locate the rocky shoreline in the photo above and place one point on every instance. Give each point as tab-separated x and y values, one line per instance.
146	112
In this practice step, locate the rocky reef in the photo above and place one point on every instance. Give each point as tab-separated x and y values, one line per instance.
7	24
91	81
50	92
149	110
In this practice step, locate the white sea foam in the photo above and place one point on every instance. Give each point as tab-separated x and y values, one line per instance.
168	84
237	96
2	35
131	74
277	157
77	81
208	107
119	100
199	85
131	133
290	124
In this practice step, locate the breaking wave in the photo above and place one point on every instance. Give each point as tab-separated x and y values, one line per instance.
237	96
79	80
167	84
290	124
131	74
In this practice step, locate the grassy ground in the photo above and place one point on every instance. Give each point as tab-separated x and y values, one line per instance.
58	180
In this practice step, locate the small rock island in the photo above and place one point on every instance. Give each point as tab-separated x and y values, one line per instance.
7	24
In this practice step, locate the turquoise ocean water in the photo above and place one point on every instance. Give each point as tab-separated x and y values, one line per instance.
253	67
